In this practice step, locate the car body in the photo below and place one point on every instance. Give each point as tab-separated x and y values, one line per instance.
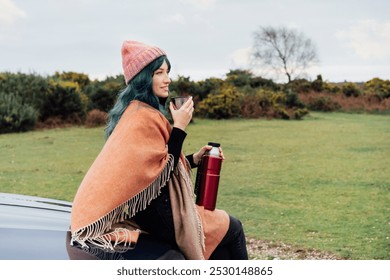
36	228
33	227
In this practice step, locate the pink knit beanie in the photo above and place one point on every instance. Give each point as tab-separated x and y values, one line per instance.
135	56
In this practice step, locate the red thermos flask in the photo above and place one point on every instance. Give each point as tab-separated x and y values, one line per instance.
207	177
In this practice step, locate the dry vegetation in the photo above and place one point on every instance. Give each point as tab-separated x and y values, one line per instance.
268	250
338	102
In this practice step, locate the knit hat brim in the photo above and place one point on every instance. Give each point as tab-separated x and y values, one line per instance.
135	56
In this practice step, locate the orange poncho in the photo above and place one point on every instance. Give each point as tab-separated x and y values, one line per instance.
127	175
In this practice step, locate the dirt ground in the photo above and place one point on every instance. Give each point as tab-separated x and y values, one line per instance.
267	250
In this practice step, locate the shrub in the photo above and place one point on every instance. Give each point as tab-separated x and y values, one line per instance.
238	77
322	103
332	88
15	116
378	87
30	87
206	86
52	122
184	86
64	100
262	104
101	97
318	84
292	100
81	79
224	104
96	118
299	113
299	85
257	82
250	107
270	104
339	102
350	89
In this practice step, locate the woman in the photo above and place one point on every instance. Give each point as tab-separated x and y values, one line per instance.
139	186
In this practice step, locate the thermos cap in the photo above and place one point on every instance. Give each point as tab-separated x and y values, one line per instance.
214	144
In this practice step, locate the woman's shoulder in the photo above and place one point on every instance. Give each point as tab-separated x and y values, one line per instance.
143	110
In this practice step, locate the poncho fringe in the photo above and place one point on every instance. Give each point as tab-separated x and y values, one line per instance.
98	232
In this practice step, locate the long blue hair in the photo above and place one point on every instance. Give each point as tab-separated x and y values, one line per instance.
139	88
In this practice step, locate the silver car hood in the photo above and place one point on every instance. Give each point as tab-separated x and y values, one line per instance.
33	227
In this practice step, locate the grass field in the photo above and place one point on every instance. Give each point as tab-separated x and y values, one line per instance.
321	183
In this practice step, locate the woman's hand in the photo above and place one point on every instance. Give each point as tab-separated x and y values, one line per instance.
182	117
198	155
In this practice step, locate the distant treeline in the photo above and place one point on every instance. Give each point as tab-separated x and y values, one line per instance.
31	101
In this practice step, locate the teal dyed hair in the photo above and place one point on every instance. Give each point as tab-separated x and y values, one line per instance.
139	88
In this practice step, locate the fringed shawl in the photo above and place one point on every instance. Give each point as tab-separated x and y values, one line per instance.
194	225
126	176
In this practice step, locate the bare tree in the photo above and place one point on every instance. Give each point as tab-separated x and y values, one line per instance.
284	50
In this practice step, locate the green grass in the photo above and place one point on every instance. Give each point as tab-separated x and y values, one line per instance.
320	183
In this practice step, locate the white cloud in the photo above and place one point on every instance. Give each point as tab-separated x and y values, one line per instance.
201	4
9	12
370	39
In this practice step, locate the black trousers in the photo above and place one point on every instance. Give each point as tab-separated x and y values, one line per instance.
157	220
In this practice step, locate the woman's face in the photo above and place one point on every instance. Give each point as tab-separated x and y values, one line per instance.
161	81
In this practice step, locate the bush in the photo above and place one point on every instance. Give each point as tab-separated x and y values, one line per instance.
322	103
64	100
378	87
250	107
259	82
329	102
331	88
15	116
206	86
292	100
184	86
299	85
101	97
30	87
81	79
96	118
270	104
350	89
222	105
238	77
318	84
299	113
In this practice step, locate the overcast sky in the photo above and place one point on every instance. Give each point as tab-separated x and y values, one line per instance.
203	38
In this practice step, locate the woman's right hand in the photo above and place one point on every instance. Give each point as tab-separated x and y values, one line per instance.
182	117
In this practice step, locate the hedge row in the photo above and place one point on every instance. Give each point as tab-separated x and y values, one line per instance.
28	101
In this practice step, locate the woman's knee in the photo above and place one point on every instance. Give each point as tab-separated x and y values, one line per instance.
235	225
